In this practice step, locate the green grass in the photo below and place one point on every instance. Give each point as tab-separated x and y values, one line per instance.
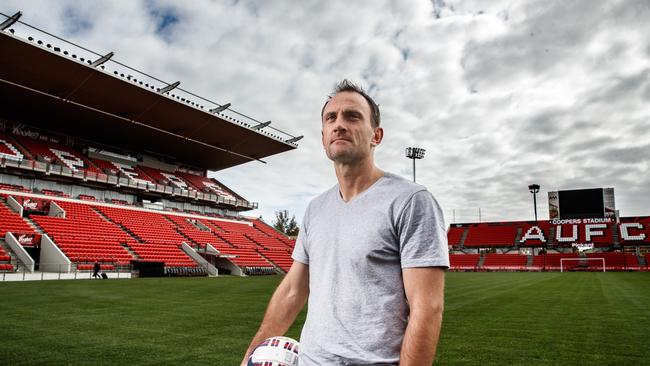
490	319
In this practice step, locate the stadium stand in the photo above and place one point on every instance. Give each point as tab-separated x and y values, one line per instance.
86	197
207	185
454	235
268	230
56	153
14	187
167	178
505	262
11	221
85	237
487	235
463	262
54	193
131	171
634	231
614	261
531	236
551	262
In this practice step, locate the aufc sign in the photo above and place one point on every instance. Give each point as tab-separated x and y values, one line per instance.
572	231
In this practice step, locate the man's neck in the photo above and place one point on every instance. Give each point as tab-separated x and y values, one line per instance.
354	179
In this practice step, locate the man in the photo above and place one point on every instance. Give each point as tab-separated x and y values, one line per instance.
96	269
370	255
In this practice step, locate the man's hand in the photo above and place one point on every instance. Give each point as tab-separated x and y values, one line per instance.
424	289
287	301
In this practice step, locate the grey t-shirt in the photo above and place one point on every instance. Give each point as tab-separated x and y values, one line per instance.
357	311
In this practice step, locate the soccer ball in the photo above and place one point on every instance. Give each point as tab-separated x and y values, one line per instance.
275	351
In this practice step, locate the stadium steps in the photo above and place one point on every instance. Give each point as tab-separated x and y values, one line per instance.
34	225
642	261
529	261
13	260
481	259
100	213
277	268
21	148
518	236
461	243
615	238
130	250
551	236
176	227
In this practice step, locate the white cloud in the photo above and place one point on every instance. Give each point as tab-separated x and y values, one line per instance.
501	94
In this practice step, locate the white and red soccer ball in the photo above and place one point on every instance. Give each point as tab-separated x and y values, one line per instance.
275	351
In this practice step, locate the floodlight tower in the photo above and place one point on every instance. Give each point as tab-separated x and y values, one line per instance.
414	153
534	189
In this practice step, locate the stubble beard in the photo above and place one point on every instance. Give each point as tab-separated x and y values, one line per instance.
346	156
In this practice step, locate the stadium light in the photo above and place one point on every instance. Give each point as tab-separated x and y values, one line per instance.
534	189
414	153
102	59
220	108
10	21
260	126
169	87
295	139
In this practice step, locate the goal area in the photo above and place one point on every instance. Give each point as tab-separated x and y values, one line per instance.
562	260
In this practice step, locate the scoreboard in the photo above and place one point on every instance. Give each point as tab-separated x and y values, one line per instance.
582	203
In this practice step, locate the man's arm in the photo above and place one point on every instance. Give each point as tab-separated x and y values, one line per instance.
287	301
424	289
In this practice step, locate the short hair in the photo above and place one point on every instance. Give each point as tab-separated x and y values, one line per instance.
347	86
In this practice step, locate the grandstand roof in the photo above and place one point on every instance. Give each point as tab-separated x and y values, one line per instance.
89	102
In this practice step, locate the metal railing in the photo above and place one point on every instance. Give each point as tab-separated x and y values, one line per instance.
121	181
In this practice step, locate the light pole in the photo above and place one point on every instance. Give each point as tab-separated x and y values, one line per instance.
534	189
414	153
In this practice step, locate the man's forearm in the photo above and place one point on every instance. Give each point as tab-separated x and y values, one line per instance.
421	337
283	308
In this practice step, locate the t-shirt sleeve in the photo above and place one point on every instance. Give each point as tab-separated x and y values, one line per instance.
300	250
422	233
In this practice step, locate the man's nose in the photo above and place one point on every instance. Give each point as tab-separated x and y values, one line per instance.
339	126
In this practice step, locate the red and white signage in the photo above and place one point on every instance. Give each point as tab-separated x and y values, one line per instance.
28	239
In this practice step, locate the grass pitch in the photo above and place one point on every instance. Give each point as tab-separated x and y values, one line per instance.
490	319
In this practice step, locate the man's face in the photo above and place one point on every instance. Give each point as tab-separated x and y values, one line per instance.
347	134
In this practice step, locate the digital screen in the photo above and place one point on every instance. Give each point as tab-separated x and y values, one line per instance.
582	204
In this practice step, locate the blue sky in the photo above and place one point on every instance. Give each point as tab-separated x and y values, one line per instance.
502	94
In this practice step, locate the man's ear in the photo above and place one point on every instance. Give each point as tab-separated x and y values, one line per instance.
377	136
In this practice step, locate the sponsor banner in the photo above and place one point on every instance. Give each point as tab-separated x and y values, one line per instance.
583	246
33	204
28	239
22	130
553	205
609	202
191	171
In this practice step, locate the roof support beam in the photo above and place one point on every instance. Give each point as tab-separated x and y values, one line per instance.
102	59
169	87
261	126
220	108
10	21
295	139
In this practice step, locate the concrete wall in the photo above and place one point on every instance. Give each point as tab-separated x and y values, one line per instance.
15	205
56	210
223	262
20	252
52	258
212	270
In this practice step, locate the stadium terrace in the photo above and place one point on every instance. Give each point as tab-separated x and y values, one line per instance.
104	165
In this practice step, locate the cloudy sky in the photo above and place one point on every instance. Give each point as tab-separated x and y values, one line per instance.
501	94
